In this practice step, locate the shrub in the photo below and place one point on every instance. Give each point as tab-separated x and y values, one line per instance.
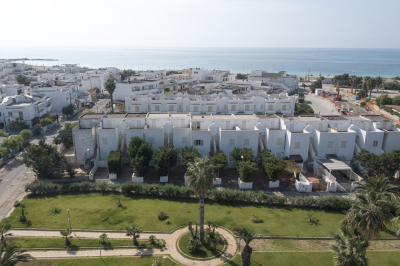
114	162
170	191
219	160
273	166
194	244
38	129
56	210
162	216
363	104
255	219
164	158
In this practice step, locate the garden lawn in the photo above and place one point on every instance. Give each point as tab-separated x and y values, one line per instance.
380	258
111	261
54	242
98	211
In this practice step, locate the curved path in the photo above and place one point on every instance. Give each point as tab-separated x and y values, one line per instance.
170	247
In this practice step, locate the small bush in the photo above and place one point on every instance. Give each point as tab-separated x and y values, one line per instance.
56	210
194	244
17	203
162	216
255	219
363	104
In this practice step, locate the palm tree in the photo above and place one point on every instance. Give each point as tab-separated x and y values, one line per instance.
110	87
66	233
12	255
4	228
134	231
378	82
201	175
370	83
369	215
247	237
379	185
349	248
354	82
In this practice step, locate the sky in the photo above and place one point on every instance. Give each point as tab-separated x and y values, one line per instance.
201	23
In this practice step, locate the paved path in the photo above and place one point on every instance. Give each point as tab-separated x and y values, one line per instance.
170	247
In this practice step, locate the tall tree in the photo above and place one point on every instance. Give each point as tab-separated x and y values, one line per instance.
201	175
349	248
110	87
378	82
26	134
22	79
247	237
12	255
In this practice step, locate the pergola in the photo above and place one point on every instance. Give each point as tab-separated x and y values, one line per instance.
336	165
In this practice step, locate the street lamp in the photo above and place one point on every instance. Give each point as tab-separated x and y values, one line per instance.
100	247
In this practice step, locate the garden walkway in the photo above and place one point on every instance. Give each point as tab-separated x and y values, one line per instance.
170	247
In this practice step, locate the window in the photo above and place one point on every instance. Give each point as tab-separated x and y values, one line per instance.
375	144
136	108
270	107
246	141
198	142
184	140
209	108
9	113
171	108
247	107
157	108
198	125
233	108
232	142
151	139
196	72
196	108
297	145
343	144
330	144
21	114
284	107
279	141
104	141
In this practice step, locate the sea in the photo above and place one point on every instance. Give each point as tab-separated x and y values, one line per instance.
296	61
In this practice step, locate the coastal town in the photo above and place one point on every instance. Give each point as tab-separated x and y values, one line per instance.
88	136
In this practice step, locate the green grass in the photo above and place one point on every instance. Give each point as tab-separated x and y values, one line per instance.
54	242
204	252
380	258
110	261
97	211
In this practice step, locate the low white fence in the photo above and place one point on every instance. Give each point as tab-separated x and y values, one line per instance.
304	185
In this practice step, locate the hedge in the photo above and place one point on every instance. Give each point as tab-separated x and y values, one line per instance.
114	162
171	191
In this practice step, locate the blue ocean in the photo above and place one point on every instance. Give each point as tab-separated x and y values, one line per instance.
362	62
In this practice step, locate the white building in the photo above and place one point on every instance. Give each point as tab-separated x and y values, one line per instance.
139	86
211	104
25	106
206	75
304	139
292	82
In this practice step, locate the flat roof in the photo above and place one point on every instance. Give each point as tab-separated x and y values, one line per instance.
375	117
116	115
334	117
158	115
246	116
178	114
301	118
92	115
133	115
268	116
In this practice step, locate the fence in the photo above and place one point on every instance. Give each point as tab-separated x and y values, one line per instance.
304	185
